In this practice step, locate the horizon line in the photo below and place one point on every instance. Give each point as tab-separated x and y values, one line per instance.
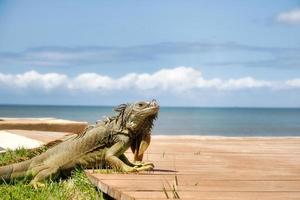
163	106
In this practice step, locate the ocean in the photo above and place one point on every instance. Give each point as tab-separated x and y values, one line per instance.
184	120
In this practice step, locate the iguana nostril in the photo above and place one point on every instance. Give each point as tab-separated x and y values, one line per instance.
153	102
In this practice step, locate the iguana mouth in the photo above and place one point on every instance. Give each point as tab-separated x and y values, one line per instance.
153	108
154	104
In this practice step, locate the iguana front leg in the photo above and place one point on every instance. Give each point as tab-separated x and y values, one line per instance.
112	158
135	164
41	174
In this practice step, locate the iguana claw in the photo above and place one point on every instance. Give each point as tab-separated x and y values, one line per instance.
144	166
140	164
148	163
37	185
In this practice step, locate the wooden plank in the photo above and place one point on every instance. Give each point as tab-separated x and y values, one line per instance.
42	124
228	175
204	186
211	168
221	195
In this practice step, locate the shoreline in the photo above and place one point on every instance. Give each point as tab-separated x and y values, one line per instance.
162	136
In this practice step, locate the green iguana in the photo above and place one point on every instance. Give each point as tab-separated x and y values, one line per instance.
100	145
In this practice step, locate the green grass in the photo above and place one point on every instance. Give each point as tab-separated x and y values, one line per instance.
75	187
17	155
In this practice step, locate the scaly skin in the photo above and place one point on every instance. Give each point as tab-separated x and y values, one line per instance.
100	145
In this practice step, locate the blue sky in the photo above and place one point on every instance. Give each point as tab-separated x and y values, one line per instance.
184	53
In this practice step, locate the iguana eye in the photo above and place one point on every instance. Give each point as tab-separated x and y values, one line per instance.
141	104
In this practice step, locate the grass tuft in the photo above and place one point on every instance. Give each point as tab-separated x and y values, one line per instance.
76	187
18	155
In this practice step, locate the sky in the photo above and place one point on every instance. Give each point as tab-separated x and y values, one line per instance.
182	53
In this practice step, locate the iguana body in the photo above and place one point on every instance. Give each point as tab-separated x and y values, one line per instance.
103	144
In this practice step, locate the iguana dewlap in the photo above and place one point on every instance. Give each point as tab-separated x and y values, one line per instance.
101	145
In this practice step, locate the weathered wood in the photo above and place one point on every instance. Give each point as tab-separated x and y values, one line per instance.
42	124
212	168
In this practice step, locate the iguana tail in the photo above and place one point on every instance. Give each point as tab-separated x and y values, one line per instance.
14	170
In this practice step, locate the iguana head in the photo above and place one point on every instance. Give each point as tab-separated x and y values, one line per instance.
138	119
138	115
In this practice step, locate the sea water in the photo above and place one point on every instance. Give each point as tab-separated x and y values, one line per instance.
183	120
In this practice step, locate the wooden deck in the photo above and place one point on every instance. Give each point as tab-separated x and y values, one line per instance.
214	168
42	124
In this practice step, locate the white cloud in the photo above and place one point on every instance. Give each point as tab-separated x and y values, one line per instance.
293	83
175	79
289	17
91	81
247	82
180	78
33	79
